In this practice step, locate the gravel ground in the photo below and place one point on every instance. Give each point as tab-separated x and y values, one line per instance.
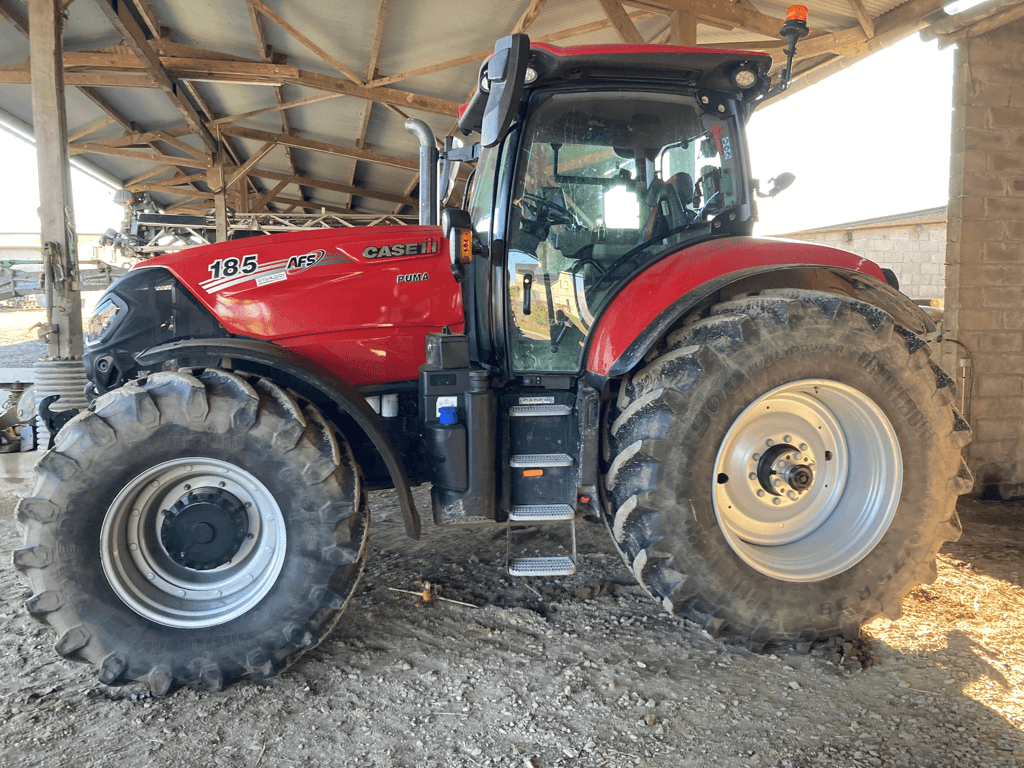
580	671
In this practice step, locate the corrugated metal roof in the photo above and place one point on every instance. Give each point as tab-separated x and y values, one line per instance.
416	33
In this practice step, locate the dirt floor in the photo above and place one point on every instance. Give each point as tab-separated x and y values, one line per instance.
580	671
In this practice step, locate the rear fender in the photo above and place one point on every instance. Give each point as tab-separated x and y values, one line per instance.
657	299
307	377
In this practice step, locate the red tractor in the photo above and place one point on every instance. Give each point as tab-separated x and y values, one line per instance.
595	335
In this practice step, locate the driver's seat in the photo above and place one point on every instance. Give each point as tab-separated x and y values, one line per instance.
667	201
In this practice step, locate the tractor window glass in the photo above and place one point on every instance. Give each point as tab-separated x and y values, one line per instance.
481	192
605	183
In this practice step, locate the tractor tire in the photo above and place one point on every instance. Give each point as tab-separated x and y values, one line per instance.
785	469
193	529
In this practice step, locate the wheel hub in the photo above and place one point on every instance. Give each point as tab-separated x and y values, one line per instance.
807	480
779	471
193	542
204	529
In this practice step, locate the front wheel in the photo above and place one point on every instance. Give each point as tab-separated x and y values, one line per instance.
193	529
786	469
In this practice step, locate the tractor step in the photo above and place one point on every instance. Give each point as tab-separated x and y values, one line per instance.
528	460
541	513
542	566
539	410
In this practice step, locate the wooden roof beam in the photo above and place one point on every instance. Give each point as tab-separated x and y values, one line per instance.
8	11
92	127
280	107
620	20
371	73
118	13
863	17
306	41
721	12
78	148
553	37
261	202
245	167
320	146
344	189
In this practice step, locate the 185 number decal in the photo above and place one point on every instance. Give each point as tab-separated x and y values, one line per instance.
232	266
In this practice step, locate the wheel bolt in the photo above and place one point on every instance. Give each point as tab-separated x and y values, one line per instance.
787	439
776	501
803	446
760	493
756	457
752	476
221	483
776	483
792	494
769	442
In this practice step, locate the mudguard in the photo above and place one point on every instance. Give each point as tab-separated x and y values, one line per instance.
650	304
305	376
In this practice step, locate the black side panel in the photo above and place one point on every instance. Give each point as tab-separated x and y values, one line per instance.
156	309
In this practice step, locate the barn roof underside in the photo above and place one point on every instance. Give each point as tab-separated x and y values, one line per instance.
304	101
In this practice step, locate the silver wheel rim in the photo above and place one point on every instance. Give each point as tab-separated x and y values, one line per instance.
153	582
807	480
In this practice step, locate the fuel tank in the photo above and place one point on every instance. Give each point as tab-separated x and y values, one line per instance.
359	301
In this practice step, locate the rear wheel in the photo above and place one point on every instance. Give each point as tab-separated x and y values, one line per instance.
786	469
193	529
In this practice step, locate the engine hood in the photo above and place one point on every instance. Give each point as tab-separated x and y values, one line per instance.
299	284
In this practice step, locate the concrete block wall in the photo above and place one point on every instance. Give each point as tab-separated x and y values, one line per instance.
915	252
985	250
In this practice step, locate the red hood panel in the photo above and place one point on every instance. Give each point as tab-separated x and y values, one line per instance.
313	290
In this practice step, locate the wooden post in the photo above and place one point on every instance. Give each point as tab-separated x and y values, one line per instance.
220	201
57	217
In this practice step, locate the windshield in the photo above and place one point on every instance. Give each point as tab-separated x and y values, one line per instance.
606	183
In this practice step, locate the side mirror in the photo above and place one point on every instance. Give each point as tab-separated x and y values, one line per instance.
506	72
781	182
454	218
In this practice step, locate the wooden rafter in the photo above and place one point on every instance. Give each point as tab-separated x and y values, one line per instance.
620	20
306	41
863	17
344	189
279	107
319	146
8	11
118	13
78	148
92	127
552	37
261	202
249	164
371	73
121	70
266	53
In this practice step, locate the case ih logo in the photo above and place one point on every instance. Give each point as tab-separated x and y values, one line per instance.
305	261
399	249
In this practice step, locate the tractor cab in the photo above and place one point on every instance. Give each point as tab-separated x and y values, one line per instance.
611	158
594	163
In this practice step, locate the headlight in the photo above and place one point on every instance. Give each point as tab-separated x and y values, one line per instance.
102	320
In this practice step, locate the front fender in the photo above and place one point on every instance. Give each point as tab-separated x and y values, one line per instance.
307	377
655	300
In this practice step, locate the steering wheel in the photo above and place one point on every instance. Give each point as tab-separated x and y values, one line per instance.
543	209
